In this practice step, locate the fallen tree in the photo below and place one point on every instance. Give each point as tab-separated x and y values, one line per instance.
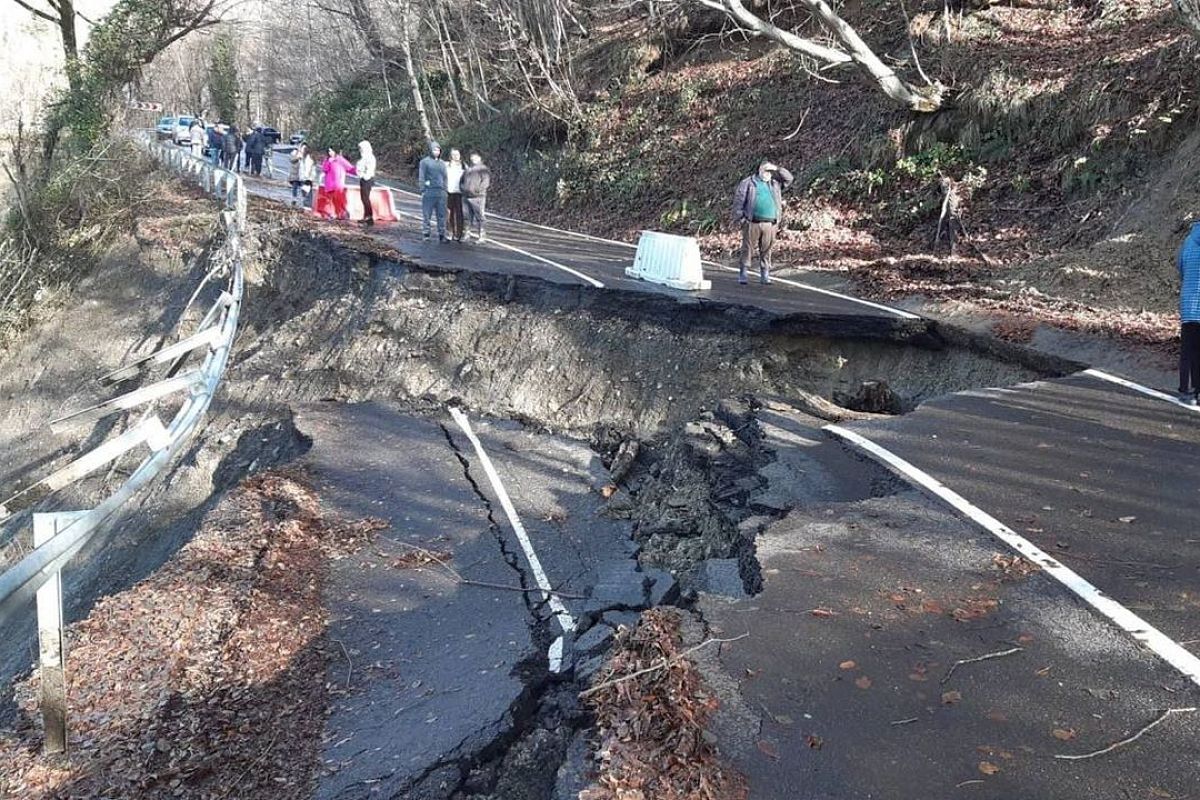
853	50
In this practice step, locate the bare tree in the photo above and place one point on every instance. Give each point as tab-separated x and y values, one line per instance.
62	15
853	50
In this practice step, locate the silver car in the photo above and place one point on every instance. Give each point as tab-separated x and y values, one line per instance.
165	128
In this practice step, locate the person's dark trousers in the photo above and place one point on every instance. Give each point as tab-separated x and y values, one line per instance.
256	164
757	237
1189	358
476	213
364	192
454	215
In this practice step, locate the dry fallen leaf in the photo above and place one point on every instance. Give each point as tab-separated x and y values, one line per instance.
1064	734
848	664
768	749
863	683
815	742
951	697
988	768
822	612
608	490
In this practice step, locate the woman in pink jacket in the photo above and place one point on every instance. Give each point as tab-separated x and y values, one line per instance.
336	167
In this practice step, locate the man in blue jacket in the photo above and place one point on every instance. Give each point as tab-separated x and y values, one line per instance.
1189	317
758	208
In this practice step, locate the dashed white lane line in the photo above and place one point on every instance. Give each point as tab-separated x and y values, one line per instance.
565	620
1169	650
1137	387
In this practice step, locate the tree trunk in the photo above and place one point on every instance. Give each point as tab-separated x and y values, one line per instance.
413	81
70	44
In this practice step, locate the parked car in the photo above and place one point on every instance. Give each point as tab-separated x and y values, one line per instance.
182	134
273	135
165	128
298	137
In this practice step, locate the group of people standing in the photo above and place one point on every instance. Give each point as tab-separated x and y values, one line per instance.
224	146
453	193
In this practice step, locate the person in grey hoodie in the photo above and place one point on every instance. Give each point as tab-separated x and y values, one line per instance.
431	177
758	208
1188	263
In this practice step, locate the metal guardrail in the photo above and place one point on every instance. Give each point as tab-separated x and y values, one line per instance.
59	536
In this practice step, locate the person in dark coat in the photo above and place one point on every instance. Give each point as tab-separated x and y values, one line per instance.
476	181
216	144
231	149
256	146
758	208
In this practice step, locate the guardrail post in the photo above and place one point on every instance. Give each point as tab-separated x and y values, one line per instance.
51	646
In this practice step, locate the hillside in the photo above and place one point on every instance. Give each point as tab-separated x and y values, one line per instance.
1068	129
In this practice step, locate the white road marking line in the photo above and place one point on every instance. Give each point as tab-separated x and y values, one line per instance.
1168	649
1137	387
786	281
829	292
542	227
534	256
565	620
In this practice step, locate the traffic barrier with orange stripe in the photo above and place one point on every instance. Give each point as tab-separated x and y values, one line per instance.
383	206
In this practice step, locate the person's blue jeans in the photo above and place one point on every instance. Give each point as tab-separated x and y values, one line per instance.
433	203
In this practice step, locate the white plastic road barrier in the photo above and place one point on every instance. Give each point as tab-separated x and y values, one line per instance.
670	260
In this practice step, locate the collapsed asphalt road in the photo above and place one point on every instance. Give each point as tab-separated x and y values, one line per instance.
633	429
446	632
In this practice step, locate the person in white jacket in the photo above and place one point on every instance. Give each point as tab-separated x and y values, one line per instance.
454	198
365	169
197	137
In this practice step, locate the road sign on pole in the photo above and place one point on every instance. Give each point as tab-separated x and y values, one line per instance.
139	105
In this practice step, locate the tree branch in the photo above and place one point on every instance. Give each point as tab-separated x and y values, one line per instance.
37	12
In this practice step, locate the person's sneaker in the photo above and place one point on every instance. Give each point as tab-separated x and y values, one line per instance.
425	237
1191	400
366	223
765	280
482	237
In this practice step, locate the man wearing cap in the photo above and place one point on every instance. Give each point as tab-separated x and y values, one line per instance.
431	177
758	208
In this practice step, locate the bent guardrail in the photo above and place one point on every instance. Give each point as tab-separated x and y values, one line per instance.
59	536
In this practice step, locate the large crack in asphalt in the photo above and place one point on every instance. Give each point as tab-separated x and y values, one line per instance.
512	558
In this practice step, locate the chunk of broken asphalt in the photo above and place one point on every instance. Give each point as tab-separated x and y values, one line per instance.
619	585
596	638
661	587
